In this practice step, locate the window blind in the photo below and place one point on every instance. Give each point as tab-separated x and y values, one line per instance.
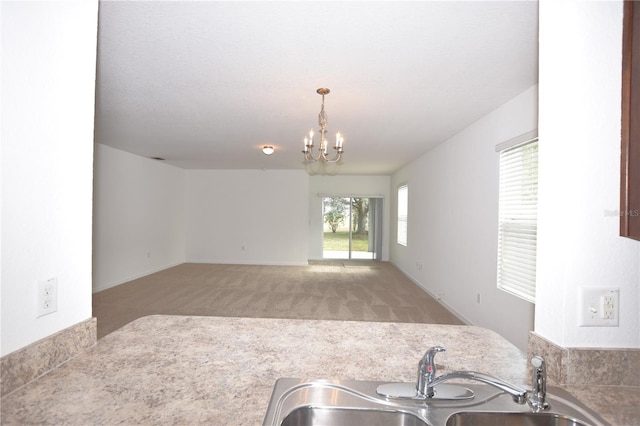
403	207
517	217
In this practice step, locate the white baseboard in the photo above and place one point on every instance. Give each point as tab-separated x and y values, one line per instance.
102	287
426	290
254	262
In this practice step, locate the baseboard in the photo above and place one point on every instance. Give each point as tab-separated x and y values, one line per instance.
254	262
24	365
101	287
426	290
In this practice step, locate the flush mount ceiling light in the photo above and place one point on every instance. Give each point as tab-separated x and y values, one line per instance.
268	149
307	150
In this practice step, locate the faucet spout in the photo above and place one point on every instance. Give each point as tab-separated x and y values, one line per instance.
518	394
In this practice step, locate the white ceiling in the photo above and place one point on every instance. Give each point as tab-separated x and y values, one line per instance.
205	84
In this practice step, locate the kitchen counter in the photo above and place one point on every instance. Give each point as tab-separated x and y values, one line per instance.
214	370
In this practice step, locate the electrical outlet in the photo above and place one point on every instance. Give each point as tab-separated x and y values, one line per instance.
47	296
609	306
598	307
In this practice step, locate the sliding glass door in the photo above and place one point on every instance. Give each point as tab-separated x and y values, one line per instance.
352	228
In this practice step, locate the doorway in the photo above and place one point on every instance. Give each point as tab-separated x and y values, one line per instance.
352	228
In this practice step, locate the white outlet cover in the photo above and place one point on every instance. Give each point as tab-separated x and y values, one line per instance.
47	296
590	307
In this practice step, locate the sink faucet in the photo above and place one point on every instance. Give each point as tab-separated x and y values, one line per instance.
427	379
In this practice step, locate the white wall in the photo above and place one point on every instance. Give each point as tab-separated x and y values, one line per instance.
139	217
453	221
347	186
48	85
580	75
247	216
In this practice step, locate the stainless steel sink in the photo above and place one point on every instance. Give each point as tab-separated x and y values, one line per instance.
303	402
512	419
319	416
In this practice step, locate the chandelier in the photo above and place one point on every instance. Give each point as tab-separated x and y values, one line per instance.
321	154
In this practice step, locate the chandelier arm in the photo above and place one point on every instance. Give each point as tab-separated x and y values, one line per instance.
308	156
335	159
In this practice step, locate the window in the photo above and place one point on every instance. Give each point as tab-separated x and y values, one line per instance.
517	220
403	207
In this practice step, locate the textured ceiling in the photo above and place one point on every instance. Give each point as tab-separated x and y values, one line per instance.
205	84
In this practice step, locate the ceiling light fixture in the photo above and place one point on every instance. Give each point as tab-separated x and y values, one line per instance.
307	150
268	149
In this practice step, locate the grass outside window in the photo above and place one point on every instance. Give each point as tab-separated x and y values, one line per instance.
339	241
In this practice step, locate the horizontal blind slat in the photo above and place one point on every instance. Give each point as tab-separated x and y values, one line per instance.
517	215
403	208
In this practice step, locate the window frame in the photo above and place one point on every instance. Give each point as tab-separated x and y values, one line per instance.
402	227
517	219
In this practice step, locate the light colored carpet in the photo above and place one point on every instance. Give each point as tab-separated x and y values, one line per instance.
327	290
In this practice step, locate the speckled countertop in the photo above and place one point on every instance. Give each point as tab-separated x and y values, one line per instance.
220	371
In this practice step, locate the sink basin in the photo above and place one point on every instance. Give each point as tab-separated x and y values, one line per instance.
511	419
317	416
301	402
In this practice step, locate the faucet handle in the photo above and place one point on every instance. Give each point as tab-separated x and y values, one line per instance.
429	361
430	357
427	372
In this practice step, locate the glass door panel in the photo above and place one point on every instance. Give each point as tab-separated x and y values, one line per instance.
351	227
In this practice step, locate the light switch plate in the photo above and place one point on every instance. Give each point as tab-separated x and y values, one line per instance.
598	307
